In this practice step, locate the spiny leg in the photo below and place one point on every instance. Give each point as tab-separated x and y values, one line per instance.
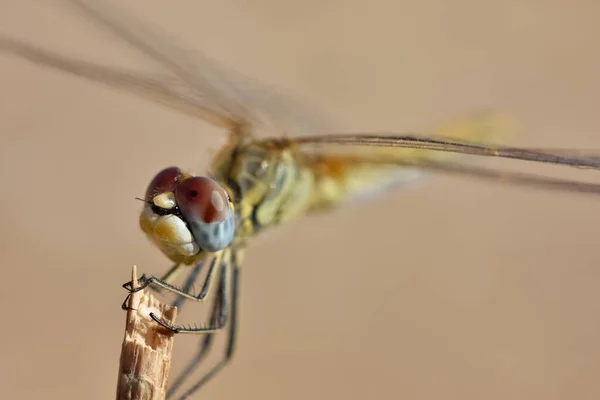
207	341
189	283
153	281
228	283
145	281
169	276
214	325
231	333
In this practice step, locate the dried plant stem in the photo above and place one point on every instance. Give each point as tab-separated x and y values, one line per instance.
146	352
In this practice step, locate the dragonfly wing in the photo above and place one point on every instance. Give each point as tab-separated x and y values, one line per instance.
162	89
349	179
358	167
441	146
357	172
203	80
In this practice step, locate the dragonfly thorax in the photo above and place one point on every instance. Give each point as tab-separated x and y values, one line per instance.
270	185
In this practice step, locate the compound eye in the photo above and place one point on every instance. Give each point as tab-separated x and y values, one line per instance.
202	199
205	206
165	181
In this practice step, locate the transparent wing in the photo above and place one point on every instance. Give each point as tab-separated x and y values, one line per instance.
477	172
445	152
202	81
573	158
362	172
165	90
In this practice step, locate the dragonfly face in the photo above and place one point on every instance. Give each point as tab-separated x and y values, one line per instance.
185	214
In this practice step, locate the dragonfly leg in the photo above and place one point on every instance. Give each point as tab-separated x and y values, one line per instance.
207	340
205	345
189	283
169	276
152	281
222	311
215	263
215	324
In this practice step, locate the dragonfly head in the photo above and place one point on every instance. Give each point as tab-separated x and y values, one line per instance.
184	214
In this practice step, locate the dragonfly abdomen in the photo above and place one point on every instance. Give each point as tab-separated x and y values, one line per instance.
341	180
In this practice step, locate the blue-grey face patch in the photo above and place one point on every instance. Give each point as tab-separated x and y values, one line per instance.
213	236
206	209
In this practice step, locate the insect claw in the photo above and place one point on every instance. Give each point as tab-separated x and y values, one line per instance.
142	282
124	306
163	324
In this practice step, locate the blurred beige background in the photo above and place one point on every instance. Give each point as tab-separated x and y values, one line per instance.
452	289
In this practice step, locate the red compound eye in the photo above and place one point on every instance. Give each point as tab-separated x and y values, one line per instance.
164	181
202	199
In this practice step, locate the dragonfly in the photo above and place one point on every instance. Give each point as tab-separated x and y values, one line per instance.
255	182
